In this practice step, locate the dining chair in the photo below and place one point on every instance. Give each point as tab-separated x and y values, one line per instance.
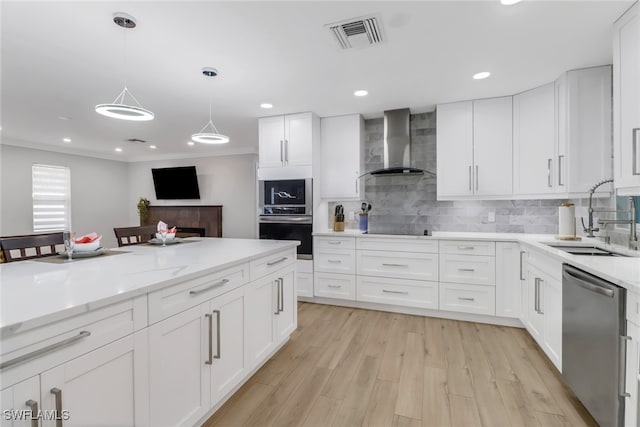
30	246
127	236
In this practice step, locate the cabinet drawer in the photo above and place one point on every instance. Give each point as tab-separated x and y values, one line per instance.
476	299
304	284
335	261
331	285
402	265
43	347
480	270
262	266
334	242
467	247
408	293
397	244
174	299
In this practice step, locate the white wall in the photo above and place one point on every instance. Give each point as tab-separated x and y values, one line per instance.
229	181
99	195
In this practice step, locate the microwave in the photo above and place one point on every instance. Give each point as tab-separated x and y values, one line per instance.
285	197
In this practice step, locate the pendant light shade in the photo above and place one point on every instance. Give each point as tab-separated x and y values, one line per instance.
209	134
119	109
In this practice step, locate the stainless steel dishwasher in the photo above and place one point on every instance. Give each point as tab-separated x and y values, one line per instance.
594	343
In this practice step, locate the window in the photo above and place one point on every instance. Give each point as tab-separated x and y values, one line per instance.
51	198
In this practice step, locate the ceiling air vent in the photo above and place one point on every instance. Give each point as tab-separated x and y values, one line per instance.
136	140
357	32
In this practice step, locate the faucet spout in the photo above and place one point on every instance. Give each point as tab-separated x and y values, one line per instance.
589	229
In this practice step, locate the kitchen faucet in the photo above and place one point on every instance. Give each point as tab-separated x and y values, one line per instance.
589	230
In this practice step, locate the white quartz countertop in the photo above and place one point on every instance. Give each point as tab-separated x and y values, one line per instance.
33	292
623	271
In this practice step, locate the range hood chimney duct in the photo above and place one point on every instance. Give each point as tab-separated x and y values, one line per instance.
397	145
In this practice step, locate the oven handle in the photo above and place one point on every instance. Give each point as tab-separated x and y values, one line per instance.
285	219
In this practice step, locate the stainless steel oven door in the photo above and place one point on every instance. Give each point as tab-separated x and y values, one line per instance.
289	227
286	197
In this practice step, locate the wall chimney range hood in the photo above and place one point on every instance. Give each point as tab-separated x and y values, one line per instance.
397	146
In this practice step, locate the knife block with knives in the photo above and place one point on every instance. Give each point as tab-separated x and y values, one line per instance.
338	219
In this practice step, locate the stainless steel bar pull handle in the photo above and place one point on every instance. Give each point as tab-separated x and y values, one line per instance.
395	292
466	269
217	313
44	350
466	299
334	286
466	248
57	393
395	265
621	370
477	185
334	261
277	282
210	320
634	151
560	162
278	261
282	151
521	265
549	182
208	288
334	242
470	184
540	281
536	295
286	152
33	407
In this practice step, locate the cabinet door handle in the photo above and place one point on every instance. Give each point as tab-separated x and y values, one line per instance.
334	286
282	152
277	281
477	178
210	321
217	313
536	294
334	242
33	407
356	183
286	152
278	261
466	299
466	269
466	248
334	261
560	162
549	182
57	393
521	265
281	302
470	185
395	265
208	288
44	350
621	372
395	292
634	151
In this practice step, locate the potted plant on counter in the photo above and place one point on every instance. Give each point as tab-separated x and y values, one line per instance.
143	210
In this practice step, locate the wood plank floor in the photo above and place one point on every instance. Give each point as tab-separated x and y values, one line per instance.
353	367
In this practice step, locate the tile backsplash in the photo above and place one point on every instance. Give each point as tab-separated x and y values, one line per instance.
408	205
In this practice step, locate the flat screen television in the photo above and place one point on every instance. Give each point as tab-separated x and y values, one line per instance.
176	183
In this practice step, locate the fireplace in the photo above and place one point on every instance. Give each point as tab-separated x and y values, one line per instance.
195	220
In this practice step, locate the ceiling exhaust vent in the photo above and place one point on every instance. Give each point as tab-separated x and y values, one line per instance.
357	32
136	140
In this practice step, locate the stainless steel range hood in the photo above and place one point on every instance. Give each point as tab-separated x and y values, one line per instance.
397	145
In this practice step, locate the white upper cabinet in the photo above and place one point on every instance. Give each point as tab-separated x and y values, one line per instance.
626	107
534	141
341	142
475	148
285	141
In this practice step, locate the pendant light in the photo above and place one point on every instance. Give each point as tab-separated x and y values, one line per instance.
211	136
119	109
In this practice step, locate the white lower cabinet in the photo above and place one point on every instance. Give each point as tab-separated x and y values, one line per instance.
408	293
509	276
23	396
401	265
335	285
304	282
632	376
476	299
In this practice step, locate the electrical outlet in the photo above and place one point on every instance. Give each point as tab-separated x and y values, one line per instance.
352	215
491	217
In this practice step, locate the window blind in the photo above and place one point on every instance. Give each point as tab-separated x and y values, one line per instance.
51	198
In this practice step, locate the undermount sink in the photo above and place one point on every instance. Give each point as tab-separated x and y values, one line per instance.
584	250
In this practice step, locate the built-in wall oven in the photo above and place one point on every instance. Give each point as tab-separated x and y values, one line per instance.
286	212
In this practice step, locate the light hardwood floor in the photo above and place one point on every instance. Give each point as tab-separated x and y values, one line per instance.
352	367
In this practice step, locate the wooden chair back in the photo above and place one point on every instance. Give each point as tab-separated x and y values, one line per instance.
127	236
19	248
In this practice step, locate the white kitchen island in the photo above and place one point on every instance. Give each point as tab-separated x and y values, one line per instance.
157	336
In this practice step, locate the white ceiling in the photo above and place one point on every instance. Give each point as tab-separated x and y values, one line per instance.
63	58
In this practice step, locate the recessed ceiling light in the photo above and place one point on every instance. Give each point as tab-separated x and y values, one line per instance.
361	93
153	147
266	105
509	2
191	143
67	140
119	150
482	75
